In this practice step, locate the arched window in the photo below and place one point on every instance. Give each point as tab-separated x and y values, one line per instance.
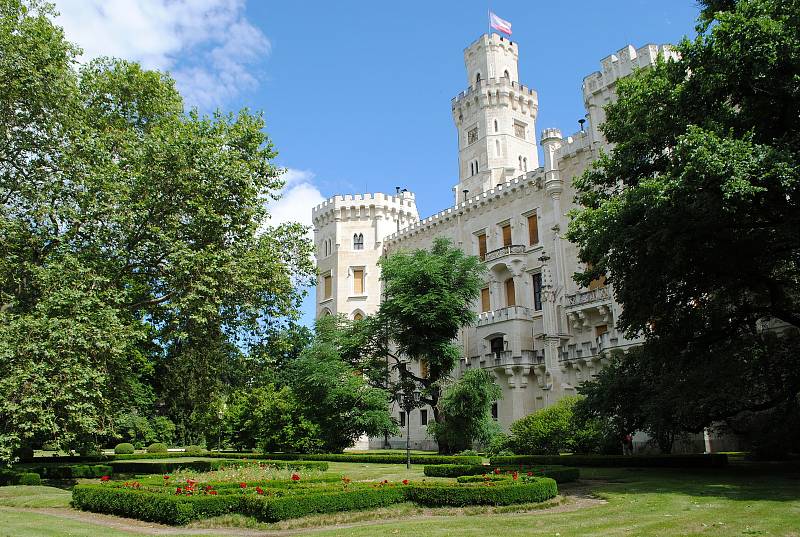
505	74
325	247
358	241
525	164
476	166
520	162
357	316
495	125
478	79
497	147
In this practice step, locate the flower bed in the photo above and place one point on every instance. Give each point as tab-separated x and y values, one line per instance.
713	460
377	458
271	504
561	474
158	467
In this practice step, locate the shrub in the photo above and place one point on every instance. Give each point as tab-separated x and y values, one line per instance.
68	471
468	453
436	495
454	470
29	478
157	447
194	450
561	474
378	458
158	467
673	461
499	444
124	449
294	506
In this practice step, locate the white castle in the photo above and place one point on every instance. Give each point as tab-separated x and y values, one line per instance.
539	333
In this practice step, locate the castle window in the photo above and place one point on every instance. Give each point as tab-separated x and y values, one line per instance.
533	229
423	416
525	164
520	162
358	281
506	229
476	166
506	75
497	147
495	125
519	130
494	411
472	136
485	302
601	329
327	286
482	245
537	292
402	419
472	168
358	241
357	316
511	293
478	79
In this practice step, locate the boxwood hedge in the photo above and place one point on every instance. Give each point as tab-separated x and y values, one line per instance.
712	460
377	458
561	474
13	477
437	495
68	471
159	467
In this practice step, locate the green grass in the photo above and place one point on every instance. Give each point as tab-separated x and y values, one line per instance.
743	500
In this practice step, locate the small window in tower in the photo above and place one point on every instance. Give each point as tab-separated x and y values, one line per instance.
472	136
476	166
478	79
525	164
327	286
358	281
519	130
494	411
506	229
505	74
423	416
537	292
533	229
495	126
358	241
482	245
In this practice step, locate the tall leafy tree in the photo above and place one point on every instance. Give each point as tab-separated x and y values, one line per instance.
129	230
694	216
429	298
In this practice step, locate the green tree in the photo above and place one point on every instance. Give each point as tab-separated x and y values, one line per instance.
337	399
694	218
130	232
429	298
466	408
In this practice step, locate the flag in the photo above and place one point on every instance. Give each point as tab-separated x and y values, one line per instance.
499	24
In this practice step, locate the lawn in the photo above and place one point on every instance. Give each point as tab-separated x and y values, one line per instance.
741	500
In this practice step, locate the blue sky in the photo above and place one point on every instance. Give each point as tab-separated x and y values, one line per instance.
357	94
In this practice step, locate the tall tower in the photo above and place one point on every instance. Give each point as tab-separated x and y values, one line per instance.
495	118
348	234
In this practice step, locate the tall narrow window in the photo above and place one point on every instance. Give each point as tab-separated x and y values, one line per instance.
402	419
497	147
482	245
601	329
506	235
485	302
511	293
476	166
520	162
537	292
358	281
494	411
424	371
328	286
478	78
495	125
533	229
505	74
423	416
525	164
358	241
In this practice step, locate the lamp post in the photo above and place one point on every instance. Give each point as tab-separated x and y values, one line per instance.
408	402
221	416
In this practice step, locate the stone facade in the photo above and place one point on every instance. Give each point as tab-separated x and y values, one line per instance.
538	332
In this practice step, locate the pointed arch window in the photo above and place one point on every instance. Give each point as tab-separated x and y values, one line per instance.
358	241
525	164
478	79
520	162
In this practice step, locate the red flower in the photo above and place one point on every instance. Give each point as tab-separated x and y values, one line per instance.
530	474
259	490
166	477
178	490
497	471
514	475
105	478
295	477
385	481
243	485
405	481
212	492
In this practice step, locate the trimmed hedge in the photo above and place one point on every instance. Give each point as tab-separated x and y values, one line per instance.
152	506
156	467
562	474
712	460
71	471
536	490
12	477
378	458
282	504
157	447
124	448
296	505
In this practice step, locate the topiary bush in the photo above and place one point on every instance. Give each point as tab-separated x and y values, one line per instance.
157	447
124	449
194	450
29	478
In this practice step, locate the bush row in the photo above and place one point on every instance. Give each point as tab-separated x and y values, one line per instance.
378	458
714	460
159	467
178	509
561	474
68	471
12	477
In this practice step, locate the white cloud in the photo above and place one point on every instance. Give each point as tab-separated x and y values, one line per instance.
298	197
209	46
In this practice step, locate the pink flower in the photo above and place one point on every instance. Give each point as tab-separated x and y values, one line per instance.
105	478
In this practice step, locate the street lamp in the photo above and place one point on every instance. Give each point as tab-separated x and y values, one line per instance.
408	402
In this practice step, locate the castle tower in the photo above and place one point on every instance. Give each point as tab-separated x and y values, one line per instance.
495	118
348	235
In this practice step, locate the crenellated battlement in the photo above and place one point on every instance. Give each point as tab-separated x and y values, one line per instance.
579	141
532	179
623	63
507	86
356	205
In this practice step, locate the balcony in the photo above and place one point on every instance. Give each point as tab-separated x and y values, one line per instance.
517	249
588	297
510	313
